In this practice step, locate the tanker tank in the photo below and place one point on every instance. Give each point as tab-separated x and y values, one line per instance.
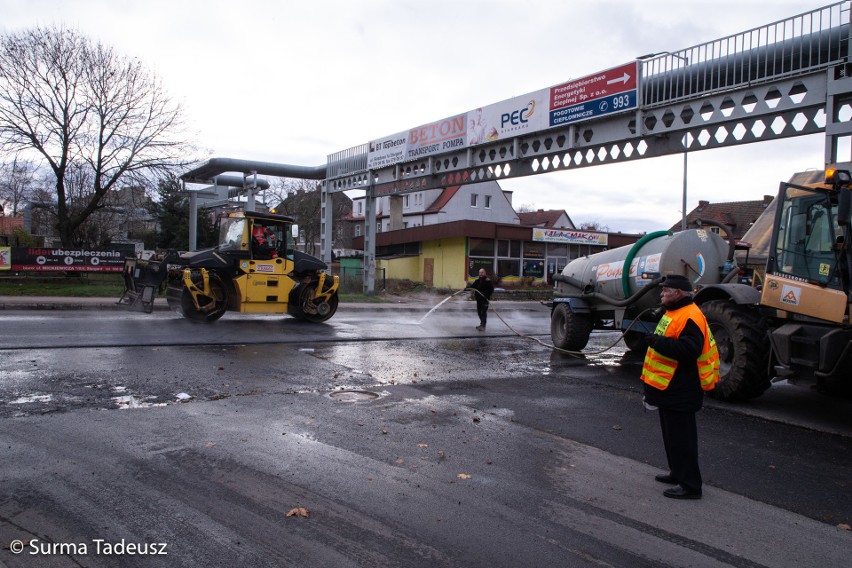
697	254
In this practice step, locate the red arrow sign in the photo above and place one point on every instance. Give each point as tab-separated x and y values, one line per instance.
591	87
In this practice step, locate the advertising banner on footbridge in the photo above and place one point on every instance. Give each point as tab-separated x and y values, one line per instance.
606	92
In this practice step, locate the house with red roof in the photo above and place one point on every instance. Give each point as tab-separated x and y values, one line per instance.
443	236
729	219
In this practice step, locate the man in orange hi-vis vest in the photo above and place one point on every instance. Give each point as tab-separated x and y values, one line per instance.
681	363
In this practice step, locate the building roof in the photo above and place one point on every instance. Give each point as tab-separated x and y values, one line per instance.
443	199
738	215
545	219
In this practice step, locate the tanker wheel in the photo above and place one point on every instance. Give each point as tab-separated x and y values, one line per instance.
568	330
839	387
741	338
316	313
635	341
212	308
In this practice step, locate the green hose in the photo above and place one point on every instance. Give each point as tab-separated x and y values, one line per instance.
625	271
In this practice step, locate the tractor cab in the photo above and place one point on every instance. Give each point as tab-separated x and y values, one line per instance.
808	270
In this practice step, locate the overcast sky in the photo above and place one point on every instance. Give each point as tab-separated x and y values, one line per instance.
291	82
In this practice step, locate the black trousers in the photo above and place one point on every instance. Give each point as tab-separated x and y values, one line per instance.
680	438
482	312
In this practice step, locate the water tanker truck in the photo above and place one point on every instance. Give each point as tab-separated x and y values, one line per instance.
797	327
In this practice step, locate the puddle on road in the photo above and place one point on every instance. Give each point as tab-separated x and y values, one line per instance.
131	401
411	363
33	398
354	395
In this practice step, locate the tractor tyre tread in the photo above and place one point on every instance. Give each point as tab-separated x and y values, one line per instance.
746	370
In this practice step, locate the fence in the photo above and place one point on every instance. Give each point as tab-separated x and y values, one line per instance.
352	280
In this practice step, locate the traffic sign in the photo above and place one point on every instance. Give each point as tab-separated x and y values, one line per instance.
606	92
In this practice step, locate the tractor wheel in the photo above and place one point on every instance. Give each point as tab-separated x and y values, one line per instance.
316	313
635	341
568	330
212	308
741	338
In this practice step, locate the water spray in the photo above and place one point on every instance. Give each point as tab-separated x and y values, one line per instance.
441	303
537	340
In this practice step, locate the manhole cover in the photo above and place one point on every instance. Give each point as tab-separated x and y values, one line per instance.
353	396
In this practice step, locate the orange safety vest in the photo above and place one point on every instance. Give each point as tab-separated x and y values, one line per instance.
658	369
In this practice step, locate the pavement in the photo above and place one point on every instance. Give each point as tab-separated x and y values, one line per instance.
406	303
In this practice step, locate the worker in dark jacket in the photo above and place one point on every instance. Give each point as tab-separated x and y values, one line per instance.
681	363
482	291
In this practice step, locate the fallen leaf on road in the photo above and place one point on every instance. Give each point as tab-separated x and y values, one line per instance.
464	476
299	512
844	526
422	445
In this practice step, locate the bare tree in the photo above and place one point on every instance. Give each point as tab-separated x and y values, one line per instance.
525	208
17	184
303	204
594	226
300	199
81	106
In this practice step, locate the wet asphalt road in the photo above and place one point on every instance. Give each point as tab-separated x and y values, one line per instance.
408	443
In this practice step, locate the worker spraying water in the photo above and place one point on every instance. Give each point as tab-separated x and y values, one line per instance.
483	290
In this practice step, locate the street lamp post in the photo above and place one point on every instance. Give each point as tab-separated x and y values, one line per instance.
685	154
685	60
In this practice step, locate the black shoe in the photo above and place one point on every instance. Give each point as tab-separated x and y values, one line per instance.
680	493
666	478
481	328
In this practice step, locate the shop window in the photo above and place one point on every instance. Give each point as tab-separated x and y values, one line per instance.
508	248
533	250
515	249
509	271
476	263
481	247
554	249
533	272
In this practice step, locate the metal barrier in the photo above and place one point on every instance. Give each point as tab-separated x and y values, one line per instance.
794	46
